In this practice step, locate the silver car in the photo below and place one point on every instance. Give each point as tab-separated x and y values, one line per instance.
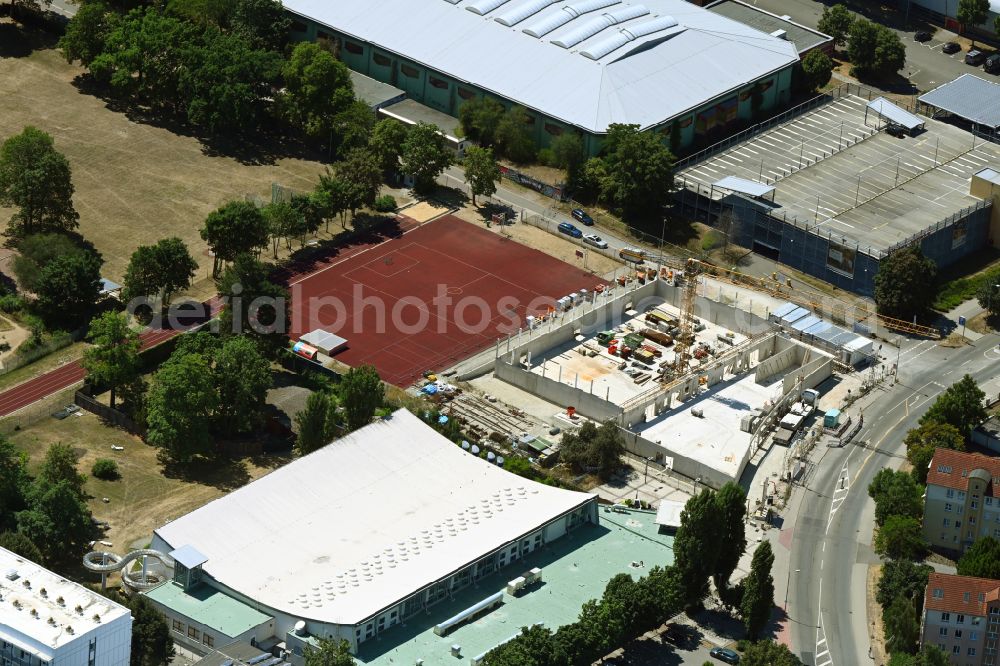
595	240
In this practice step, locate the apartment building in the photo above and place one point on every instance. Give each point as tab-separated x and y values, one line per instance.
962	501
962	617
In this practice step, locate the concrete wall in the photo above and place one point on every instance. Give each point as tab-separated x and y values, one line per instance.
640	446
813	373
556	392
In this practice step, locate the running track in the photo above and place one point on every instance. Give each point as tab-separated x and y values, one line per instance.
67	375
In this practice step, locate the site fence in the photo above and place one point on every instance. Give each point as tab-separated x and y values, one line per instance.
557	192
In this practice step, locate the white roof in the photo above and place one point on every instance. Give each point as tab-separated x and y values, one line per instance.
36	633
896	114
589	63
345	532
744	186
668	514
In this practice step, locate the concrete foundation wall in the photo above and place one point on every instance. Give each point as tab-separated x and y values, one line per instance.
813	373
640	446
556	392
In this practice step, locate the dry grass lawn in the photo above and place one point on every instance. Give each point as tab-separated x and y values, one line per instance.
135	182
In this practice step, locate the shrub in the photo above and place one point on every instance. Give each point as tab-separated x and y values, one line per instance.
547	157
711	240
385	203
105	469
11	303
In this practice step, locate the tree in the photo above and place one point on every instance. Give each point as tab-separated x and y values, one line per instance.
14	482
68	288
817	68
836	21
988	293
895	494
317	87
283	221
900	537
479	118
16	542
567	149
758	591
263	24
361	171
87	32
182	399
695	546
513	136
255	306
317	424
982	560
637	173
904	283
960	405
57	521
160	269
151	642
902	630
60	466
386	143
972	13
594	448
425	155
236	228
534	646
352	127
35	179
929	655
331	198
875	50
902	578
769	653
921	442
37	251
731	512
242	378
106	469
329	653
361	393
114	358
482	172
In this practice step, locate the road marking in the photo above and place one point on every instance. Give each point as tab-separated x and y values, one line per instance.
821	631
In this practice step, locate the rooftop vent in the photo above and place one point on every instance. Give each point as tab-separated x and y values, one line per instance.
27	583
12	574
61	601
79	609
52	621
44	593
69	630
780	34
97	617
34	613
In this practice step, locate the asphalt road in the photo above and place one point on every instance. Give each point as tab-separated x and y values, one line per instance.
831	544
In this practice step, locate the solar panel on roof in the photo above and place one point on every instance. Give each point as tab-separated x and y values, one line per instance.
484	7
517	14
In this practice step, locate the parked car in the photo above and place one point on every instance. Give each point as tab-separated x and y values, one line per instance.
975	57
992	64
595	240
896	130
951	47
570	230
725	654
581	216
922	36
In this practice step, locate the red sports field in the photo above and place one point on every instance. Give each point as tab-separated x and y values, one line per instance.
432	297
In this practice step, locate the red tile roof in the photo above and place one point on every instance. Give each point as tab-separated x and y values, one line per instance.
953	589
951	469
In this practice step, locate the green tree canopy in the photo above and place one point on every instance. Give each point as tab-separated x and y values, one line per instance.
895	494
534	646
567	150
480	117
57	520
695	545
836	21
113	360
35	179
514	138
929	655
982	560
161	269
902	578
425	155
14	483
960	405
256	306
329	653
317	424
386	143
182	399
904	283
874	50
596	448
151	641
263	24
60	465
18	543
901	537
902	628
361	171
731	511
242	378
817	68
758	591
972	12
988	293
769	653
68	288
37	251
921	442
317	87
235	228
482	172
361	393
87	32
637	173
283	221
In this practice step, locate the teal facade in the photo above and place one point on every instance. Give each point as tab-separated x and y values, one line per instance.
713	121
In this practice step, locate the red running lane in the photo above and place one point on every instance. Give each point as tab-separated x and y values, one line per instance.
64	376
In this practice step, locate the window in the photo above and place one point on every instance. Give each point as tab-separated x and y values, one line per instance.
381	60
972	652
944	648
949	493
961	495
178	626
973	635
208	640
958	523
996	534
943	631
438	83
975	504
947	522
961	509
409	71
945	617
981	597
956	649
975	620
958	633
554	130
972	520
947	507
966	597
989	501
351	47
298	26
193	633
939	594
944	469
465	93
960	618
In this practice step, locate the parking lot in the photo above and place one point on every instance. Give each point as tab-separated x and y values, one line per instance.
785	149
886	189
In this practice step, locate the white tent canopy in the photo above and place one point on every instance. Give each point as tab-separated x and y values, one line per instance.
896	114
744	186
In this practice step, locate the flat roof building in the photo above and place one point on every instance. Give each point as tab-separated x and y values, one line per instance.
356	537
576	66
46	620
